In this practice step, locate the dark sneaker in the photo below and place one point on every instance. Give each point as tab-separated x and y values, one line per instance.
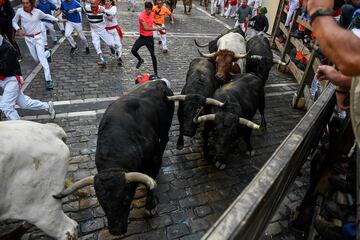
87	50
51	110
102	62
120	62
49	58
49	85
63	32
165	51
55	42
160	42
73	50
138	65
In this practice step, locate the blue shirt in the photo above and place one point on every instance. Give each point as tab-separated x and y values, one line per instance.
72	17
46	7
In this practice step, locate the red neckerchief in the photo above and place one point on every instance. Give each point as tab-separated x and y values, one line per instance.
30	11
95	10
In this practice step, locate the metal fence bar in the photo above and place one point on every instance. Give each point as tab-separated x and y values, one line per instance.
248	216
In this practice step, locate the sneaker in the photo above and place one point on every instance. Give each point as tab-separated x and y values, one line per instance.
102	61
165	50
72	50
160	42
55	42
63	32
213	15
120	62
49	85
19	58
49	58
51	110
87	50
128	9
138	65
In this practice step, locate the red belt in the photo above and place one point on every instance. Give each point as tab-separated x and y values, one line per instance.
118	29
32	35
18	78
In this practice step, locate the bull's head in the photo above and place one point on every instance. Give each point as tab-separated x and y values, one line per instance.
192	106
115	190
227	128
225	65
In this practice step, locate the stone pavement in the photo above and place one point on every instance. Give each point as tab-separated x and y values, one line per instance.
192	193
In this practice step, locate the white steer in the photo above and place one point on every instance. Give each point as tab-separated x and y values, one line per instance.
33	164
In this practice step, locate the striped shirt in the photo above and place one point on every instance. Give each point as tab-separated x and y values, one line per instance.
96	20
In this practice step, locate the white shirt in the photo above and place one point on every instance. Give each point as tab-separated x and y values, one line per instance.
110	16
30	22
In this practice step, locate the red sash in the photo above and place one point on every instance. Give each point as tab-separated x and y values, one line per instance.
18	78
118	29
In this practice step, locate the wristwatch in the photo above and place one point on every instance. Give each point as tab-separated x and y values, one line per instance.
319	13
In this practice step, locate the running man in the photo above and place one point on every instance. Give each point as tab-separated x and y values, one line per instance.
113	27
95	15
47	7
146	28
11	81
71	10
31	28
159	20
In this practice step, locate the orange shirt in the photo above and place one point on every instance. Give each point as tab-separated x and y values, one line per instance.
149	20
160	14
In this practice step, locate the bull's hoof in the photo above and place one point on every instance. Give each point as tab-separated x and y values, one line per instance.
220	165
250	153
179	146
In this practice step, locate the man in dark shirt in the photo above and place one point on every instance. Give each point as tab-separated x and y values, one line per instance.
6	15
261	23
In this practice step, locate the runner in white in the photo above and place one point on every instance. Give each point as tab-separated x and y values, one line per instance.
95	15
71	10
31	28
113	27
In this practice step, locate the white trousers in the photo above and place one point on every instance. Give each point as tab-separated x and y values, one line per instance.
69	28
13	95
230	11
117	41
48	26
214	4
161	37
37	51
60	24
292	8
104	35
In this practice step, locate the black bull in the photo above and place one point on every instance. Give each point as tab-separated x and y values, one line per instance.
242	97
195	96
132	137
212	45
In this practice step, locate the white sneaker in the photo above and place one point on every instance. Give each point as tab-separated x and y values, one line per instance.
51	110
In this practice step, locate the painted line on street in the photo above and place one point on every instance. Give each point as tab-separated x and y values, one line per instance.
101	111
281	85
209	15
37	69
169	34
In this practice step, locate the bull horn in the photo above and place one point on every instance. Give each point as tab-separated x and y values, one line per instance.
141	178
239	55
248	123
176	98
214	102
256	57
199	45
280	62
208	117
77	185
210	55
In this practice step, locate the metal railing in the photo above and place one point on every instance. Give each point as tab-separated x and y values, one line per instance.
248	216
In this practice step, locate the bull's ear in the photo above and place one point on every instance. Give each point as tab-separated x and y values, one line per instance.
235	68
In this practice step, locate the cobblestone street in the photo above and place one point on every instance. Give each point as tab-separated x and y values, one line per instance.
191	192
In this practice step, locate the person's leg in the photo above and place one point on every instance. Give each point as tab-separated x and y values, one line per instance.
150	47
68	30
107	38
42	56
292	9
213	7
30	42
50	27
135	48
96	41
164	40
44	34
116	37
8	99
26	102
78	27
